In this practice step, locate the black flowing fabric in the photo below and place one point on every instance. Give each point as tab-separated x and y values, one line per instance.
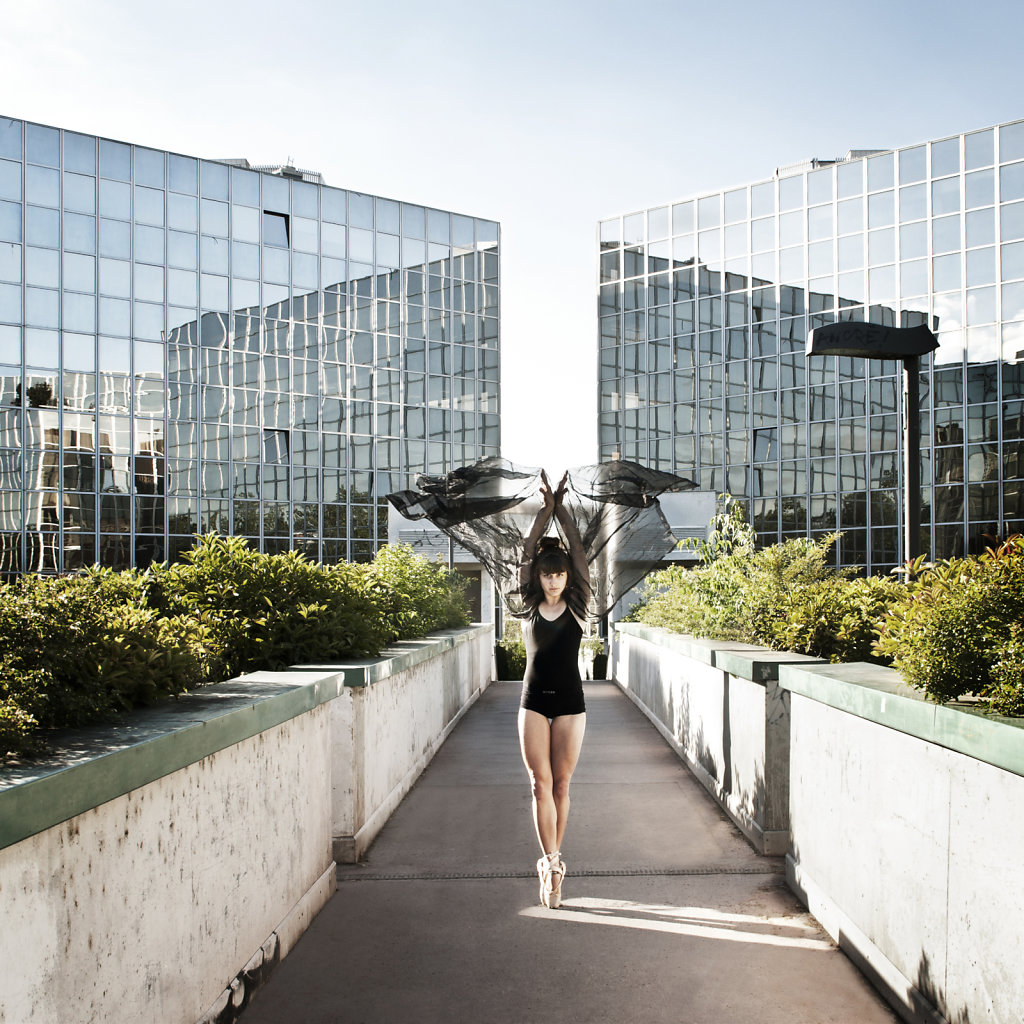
490	507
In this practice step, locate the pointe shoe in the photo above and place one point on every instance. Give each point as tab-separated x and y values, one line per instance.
556	875
544	873
551	871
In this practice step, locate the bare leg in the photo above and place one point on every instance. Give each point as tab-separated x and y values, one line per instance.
566	743
535	743
550	753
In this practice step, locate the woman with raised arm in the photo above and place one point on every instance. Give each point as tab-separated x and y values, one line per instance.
610	518
555	586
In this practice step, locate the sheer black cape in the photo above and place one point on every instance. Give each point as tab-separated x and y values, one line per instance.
490	506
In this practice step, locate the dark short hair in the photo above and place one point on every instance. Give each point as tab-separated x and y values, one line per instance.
552	559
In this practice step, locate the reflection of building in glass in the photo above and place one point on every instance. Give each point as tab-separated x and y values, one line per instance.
191	345
705	307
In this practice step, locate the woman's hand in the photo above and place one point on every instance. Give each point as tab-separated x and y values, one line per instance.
552	499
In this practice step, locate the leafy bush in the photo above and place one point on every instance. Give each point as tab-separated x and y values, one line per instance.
785	596
267	611
741	596
958	622
17	728
954	628
728	533
1006	694
417	596
835	618
75	648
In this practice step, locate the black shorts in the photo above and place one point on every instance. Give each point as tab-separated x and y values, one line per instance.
553	703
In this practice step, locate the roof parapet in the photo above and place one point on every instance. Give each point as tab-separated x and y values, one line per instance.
814	162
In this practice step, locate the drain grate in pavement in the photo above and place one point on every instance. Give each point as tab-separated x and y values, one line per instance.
369	875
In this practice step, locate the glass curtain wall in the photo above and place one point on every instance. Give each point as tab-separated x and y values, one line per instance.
705	307
190	345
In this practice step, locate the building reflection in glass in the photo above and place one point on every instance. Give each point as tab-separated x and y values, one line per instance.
705	306
191	345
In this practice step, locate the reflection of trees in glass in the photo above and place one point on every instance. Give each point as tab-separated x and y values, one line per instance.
949	505
306	520
885	508
275	520
181	522
40	395
853	510
246	519
334	521
794	513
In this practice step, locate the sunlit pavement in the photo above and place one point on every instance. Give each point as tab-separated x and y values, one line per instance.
668	914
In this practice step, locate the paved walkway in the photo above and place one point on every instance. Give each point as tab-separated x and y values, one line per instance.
668	915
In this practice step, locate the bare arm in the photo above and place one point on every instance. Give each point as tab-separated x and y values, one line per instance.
572	535
576	552
540	525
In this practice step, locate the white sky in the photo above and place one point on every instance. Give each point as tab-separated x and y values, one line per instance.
545	116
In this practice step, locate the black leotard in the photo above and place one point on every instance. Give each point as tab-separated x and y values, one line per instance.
551	683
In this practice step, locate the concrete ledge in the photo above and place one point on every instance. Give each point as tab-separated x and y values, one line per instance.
905	841
697	648
719	705
237	996
399	657
386	731
903	996
90	767
772	843
898	813
94	765
348	849
145	863
746	661
878	694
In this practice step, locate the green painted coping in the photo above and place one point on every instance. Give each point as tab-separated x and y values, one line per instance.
107	761
745	661
880	695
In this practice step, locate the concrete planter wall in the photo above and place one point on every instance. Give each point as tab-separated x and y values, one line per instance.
387	724
907	840
720	706
899	818
159	870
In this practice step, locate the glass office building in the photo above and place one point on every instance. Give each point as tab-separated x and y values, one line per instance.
705	308
190	345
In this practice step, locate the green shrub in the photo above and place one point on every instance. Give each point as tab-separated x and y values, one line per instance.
74	648
417	596
1006	694
958	618
835	618
17	729
266	611
510	651
955	628
786	596
739	596
728	533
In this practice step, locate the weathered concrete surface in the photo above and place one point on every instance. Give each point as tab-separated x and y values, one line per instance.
148	905
720	706
669	915
908	851
385	733
160	868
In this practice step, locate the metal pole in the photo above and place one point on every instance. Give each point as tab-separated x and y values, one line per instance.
911	457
